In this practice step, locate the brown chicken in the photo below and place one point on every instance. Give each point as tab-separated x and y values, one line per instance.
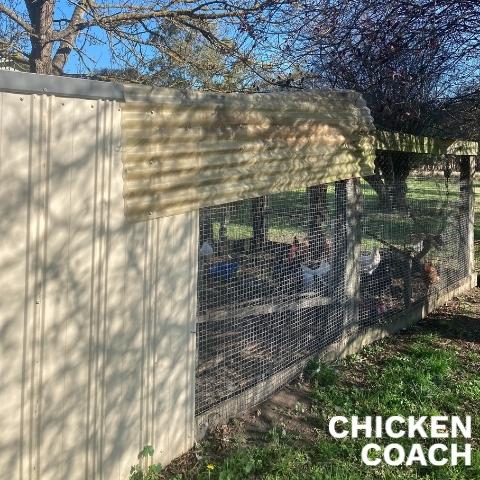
430	273
299	250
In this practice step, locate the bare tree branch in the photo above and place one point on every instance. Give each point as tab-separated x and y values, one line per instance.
68	40
16	18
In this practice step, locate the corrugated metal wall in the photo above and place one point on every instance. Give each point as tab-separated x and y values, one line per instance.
183	149
96	315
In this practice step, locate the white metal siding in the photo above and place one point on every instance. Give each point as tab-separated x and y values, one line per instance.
96	314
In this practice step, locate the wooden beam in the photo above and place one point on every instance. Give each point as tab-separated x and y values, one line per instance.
404	142
467	199
245	309
353	243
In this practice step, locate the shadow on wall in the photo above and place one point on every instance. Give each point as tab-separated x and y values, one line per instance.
96	313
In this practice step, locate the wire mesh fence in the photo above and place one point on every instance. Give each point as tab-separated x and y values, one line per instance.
283	276
423	247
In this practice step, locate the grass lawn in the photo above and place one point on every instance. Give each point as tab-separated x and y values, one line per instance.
433	369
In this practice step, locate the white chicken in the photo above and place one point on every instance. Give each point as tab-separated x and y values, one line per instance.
206	250
370	262
418	247
309	274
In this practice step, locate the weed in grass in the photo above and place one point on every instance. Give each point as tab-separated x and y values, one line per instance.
276	435
239	439
143	471
320	374
300	408
374	348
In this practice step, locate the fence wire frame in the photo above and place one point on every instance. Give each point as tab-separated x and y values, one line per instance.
282	277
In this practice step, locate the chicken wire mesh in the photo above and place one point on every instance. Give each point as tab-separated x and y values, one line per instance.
276	273
422	247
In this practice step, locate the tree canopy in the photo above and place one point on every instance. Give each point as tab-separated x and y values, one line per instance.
411	59
133	34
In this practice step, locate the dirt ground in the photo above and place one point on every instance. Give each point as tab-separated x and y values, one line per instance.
457	324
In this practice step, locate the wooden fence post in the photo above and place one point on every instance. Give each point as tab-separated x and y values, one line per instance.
348	247
467	198
206	225
407	281
224	221
337	286
259	222
317	214
354	245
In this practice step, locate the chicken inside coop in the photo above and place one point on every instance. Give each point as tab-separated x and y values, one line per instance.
370	261
376	282
391	277
308	273
430	273
278	269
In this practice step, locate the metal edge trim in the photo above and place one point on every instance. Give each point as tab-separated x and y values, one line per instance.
34	83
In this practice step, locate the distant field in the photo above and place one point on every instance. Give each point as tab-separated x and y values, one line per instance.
288	214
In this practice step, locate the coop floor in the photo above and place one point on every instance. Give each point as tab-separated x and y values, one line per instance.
286	436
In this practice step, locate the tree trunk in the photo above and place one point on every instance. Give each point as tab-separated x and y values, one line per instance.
376	182
41	19
66	46
259	221
399	195
390	179
401	167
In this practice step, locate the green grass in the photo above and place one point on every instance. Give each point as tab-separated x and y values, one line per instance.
410	375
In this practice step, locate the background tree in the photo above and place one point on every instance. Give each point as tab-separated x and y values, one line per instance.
195	64
47	32
403	62
460	114
408	58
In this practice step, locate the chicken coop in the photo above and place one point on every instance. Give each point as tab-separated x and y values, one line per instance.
171	258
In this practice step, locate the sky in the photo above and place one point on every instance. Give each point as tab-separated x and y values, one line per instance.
97	54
